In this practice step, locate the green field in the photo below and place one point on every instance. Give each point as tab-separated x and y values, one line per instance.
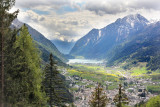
94	73
137	71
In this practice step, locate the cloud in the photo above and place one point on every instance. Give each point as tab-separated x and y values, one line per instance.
72	19
102	7
46	5
144	4
55	26
37	3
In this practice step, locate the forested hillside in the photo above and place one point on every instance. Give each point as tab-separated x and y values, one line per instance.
144	47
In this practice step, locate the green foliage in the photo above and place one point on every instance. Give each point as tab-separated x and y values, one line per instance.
89	86
138	71
94	73
130	64
46	50
5	20
154	89
154	102
137	49
112	86
154	63
45	44
74	89
155	77
94	76
24	76
98	98
54	85
141	104
121	98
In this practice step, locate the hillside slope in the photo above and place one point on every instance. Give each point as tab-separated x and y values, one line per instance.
144	47
45	45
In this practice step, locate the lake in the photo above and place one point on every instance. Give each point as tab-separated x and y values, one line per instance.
84	61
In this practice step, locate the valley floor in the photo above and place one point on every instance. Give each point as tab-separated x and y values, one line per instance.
83	79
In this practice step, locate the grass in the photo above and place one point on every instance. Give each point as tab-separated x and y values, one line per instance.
89	86
137	71
94	73
96	69
74	89
154	89
113	86
80	83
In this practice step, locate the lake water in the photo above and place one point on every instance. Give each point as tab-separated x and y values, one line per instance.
84	61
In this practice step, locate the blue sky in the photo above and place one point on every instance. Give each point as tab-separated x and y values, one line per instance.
72	19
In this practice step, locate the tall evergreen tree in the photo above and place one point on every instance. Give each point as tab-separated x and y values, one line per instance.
5	21
121	98
98	99
50	73
54	85
10	51
24	76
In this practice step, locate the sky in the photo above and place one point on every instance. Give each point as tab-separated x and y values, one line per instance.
69	20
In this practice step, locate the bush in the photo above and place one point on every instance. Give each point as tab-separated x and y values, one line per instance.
154	102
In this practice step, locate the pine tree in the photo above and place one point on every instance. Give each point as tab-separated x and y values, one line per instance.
10	40
24	75
54	85
50	72
121	97
98	99
5	21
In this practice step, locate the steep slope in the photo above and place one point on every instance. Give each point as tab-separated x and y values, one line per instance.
45	45
99	41
144	47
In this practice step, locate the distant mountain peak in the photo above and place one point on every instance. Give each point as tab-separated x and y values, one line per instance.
137	17
97	42
132	18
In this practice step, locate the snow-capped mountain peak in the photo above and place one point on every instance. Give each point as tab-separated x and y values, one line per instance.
105	38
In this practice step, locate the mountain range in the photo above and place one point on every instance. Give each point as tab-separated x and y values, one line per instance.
131	39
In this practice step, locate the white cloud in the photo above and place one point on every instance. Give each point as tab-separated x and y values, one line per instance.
102	7
89	14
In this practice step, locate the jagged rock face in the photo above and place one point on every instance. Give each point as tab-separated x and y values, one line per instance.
98	42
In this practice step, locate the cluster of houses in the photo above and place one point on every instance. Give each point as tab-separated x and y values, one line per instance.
135	89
